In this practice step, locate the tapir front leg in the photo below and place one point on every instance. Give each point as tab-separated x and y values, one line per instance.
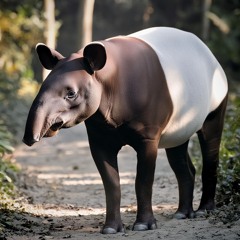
146	155
106	163
184	170
104	153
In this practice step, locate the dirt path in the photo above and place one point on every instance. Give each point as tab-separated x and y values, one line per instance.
66	197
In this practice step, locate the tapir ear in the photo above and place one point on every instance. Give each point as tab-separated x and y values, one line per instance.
95	54
47	56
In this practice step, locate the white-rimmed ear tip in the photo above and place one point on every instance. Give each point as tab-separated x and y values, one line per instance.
39	44
96	42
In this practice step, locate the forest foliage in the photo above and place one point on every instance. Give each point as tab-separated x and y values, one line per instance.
22	26
228	191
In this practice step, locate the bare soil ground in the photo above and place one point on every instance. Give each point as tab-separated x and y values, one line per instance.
65	196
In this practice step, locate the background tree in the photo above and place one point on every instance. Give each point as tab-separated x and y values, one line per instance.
76	20
86	22
205	19
50	28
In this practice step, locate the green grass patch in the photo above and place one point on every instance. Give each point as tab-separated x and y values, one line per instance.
8	169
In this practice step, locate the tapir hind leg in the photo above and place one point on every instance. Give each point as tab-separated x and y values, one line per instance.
184	170
210	138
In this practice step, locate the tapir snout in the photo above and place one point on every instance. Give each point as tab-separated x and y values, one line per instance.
29	141
40	124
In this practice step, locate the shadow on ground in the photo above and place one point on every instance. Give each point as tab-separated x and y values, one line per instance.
64	196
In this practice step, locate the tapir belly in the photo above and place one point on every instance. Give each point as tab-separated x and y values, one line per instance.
196	81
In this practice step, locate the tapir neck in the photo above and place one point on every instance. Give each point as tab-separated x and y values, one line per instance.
109	79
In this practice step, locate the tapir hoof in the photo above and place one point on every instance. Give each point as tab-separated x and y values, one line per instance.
180	215
144	226
201	213
205	208
109	230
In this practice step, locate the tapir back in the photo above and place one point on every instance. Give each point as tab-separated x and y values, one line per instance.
196	81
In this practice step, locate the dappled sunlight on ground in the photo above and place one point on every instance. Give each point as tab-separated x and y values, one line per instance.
65	194
64	173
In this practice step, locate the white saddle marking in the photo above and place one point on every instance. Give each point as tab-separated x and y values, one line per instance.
196	81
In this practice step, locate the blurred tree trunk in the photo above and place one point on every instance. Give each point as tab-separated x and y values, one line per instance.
50	32
86	22
205	19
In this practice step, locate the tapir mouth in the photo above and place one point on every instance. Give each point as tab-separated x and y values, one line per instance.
56	126
53	130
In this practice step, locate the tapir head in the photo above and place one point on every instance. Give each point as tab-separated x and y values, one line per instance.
69	95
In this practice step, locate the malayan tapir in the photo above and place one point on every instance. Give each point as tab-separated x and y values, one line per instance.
153	88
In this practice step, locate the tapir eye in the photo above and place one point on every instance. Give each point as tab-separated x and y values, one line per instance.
71	94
